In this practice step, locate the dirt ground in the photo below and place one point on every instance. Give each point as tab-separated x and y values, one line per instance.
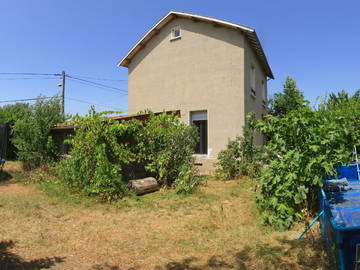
216	228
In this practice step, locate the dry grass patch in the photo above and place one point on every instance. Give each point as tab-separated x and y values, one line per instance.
216	228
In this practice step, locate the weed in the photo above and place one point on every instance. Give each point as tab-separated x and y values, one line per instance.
210	229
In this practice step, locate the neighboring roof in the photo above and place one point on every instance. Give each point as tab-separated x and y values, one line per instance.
141	117
249	33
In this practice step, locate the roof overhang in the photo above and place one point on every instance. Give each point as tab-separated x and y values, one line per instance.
247	31
140	116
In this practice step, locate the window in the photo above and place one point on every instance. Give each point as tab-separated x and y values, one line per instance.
252	81
199	119
357	261
263	92
175	33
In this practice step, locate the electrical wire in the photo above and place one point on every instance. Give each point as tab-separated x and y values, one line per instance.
58	74
30	73
98	84
91	103
72	78
15	79
68	98
98	79
25	99
99	87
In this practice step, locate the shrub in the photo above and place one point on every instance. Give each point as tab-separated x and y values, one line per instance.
10	114
304	146
166	146
240	158
102	147
31	133
97	157
188	180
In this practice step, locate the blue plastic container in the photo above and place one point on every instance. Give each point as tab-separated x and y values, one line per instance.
341	222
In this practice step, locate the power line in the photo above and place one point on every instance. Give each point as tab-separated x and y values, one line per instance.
73	99
15	79
30	73
99	79
98	84
99	87
58	74
72	78
25	99
91	103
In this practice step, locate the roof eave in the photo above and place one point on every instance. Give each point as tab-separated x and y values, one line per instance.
156	28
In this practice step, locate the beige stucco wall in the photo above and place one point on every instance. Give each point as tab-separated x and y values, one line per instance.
256	104
203	70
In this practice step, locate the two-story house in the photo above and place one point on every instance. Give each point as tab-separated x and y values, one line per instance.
213	71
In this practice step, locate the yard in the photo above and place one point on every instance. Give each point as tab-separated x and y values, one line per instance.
216	228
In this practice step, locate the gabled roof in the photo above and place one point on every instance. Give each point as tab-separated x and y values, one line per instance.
248	32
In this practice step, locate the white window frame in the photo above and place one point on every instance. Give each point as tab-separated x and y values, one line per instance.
201	115
173	31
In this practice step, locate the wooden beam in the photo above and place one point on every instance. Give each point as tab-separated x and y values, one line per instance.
194	19
215	24
127	61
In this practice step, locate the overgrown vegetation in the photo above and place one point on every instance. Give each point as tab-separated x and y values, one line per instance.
97	157
304	146
31	132
102	150
166	145
9	114
241	157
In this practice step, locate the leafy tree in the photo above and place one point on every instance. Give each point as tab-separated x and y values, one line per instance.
304	148
10	114
348	107
337	99
31	132
290	99
356	95
341	98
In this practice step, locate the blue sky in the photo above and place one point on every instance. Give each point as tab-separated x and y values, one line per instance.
315	42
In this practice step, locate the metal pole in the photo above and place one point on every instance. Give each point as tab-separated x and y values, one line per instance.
308	227
63	93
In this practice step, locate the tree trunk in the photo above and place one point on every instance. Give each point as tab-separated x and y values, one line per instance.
145	185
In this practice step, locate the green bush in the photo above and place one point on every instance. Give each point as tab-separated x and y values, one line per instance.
304	146
166	145
188	180
10	114
31	133
102	148
97	157
240	158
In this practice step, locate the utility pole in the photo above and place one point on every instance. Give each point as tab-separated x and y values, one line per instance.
63	93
